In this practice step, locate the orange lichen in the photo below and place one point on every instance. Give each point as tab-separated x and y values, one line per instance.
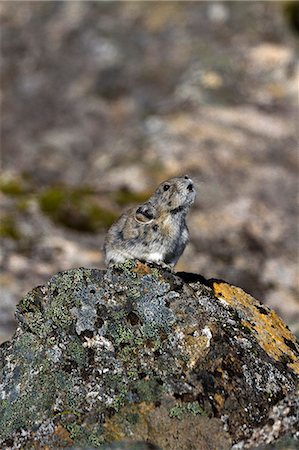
195	343
63	434
268	328
115	426
113	430
141	269
219	400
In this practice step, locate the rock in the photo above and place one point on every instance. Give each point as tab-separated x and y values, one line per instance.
123	446
139	354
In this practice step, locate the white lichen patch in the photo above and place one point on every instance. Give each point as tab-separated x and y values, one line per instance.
54	353
223	301
244	342
207	332
98	342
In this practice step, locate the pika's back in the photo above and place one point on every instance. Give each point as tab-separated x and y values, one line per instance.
155	231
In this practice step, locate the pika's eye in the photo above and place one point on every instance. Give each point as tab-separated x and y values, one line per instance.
166	187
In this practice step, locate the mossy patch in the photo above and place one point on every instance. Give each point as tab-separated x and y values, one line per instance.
11	186
125	197
9	228
75	208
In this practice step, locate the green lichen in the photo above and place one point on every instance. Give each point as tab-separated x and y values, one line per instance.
77	352
96	439
126	269
119	400
150	331
64	297
149	390
35	399
27	345
14	416
77	432
132	418
31	302
75	208
31	314
59	313
180	410
134	293
124	335
74	399
84	435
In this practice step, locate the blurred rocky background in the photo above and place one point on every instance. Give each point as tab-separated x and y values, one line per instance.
103	100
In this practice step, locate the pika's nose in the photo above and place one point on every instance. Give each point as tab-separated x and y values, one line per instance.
190	187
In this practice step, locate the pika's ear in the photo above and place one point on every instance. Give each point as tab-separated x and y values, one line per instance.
145	213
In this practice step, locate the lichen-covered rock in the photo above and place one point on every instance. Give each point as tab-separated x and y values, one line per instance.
138	354
283	419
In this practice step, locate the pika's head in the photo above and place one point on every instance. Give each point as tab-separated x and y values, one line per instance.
176	194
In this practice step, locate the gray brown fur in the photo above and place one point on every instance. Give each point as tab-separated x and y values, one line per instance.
155	231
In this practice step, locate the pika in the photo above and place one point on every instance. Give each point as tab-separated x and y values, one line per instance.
155	231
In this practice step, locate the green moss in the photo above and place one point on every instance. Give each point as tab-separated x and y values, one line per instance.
100	217
181	409
8	228
22	204
126	197
52	200
75	208
12	186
